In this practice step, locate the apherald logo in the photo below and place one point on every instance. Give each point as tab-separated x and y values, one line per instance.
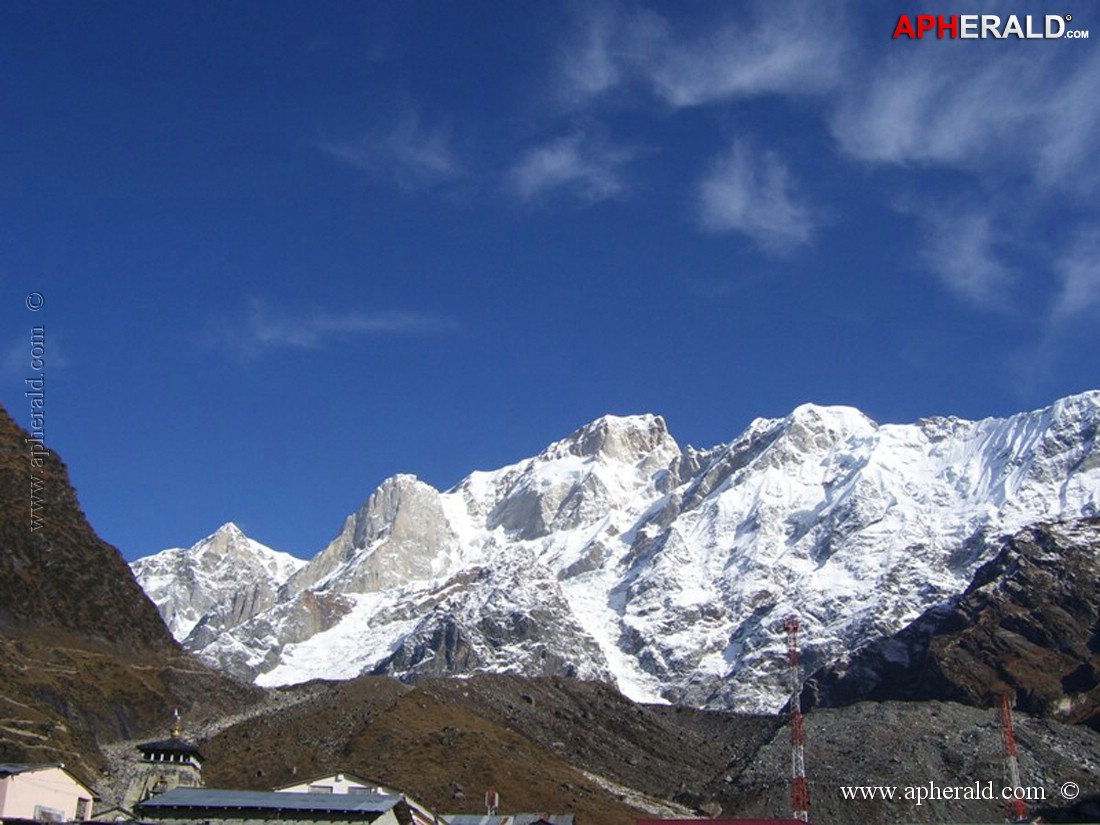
979	26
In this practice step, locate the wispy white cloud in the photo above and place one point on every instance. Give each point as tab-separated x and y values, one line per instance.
783	48
976	110
1010	131
934	107
1072	323
15	361
769	48
1070	138
265	328
16	358
752	192
940	104
1079	272
409	154
588	64
961	246
587	167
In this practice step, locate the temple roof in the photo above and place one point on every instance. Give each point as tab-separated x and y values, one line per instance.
172	745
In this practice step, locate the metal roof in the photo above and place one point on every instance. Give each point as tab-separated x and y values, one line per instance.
9	768
14	768
211	799
553	819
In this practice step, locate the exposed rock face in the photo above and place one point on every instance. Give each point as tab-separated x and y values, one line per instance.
616	554
1029	624
400	535
499	623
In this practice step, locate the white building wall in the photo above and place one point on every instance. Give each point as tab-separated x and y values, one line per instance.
43	793
337	783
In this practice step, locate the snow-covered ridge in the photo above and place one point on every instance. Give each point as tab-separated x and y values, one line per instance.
226	574
617	554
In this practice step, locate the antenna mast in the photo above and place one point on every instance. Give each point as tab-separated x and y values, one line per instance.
492	801
800	793
1015	809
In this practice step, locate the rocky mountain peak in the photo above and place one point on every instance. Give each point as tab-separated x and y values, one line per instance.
400	533
403	508
1081	405
813	428
229	576
618	438
229	530
226	540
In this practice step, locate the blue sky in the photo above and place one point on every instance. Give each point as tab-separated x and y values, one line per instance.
286	250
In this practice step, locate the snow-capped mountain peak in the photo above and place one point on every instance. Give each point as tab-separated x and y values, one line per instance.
626	439
217	581
615	554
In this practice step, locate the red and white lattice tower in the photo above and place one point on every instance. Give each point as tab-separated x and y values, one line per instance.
1015	809
492	801
800	793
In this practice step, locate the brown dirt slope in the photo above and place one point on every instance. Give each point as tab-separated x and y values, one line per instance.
437	751
671	752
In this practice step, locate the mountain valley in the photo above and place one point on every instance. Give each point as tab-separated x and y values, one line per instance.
89	668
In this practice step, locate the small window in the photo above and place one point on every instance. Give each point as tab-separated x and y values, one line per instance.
320	788
83	809
44	814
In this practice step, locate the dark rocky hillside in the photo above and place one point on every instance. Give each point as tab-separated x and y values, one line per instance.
557	744
1028	624
62	576
84	655
905	744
